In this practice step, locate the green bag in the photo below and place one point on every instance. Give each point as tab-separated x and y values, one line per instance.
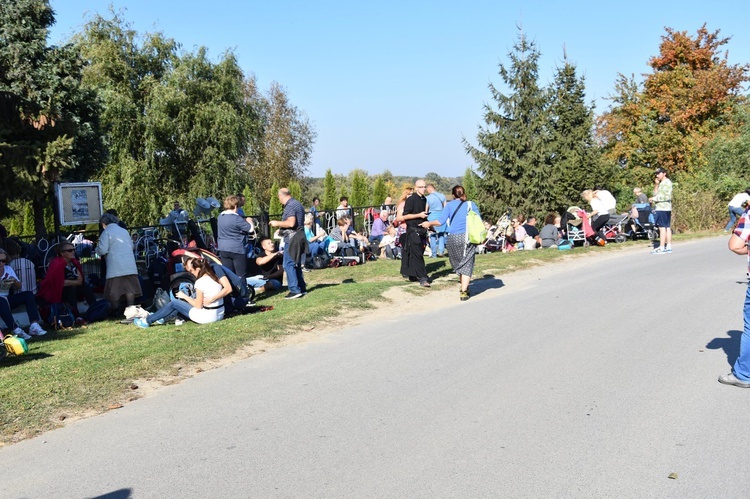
476	233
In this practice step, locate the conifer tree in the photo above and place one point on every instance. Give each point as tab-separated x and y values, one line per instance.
512	151
274	205
360	189
469	183
576	160
295	189
329	191
379	191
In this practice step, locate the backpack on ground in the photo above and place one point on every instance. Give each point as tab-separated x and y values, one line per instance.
60	316
15	345
321	261
98	311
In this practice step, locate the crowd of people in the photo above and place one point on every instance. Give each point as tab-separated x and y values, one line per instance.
421	224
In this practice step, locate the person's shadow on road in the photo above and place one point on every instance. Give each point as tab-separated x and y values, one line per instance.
487	281
731	345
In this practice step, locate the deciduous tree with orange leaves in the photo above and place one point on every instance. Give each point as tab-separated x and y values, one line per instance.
679	107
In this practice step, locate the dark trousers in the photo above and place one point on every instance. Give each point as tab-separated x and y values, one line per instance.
8	303
236	262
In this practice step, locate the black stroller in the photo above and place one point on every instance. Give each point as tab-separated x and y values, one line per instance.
640	223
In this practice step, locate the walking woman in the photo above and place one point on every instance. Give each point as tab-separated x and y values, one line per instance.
460	252
207	306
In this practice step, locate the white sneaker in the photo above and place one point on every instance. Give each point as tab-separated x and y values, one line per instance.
36	330
21	334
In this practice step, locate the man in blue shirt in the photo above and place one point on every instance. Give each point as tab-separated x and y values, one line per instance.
295	243
435	205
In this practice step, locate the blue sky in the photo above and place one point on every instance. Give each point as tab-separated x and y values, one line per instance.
396	85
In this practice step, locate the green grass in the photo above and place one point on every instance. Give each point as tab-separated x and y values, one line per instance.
87	370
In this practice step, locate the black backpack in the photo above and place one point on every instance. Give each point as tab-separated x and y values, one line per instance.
321	261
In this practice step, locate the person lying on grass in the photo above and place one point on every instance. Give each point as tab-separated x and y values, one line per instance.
207	306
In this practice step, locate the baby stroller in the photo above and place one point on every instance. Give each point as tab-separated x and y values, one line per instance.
615	228
573	224
497	235
639	223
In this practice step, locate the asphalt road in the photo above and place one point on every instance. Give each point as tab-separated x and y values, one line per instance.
591	378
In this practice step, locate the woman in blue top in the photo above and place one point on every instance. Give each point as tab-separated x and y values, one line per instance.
460	252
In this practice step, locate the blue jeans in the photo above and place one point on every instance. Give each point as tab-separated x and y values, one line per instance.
741	367
294	279
256	283
180	306
437	242
733	214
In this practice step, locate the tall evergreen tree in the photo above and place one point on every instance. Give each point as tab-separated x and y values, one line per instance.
48	121
295	189
469	183
329	193
274	205
379	191
512	154
576	160
360	189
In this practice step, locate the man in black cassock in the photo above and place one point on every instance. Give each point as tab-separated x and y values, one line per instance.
414	240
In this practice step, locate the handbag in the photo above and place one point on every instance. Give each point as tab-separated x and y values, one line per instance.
476	232
15	345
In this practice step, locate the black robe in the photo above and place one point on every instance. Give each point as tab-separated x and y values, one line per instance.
414	240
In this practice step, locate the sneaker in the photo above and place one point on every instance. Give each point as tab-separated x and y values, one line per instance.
292	295
657	251
179	322
21	333
464	295
160	322
36	330
668	249
142	323
731	379
305	269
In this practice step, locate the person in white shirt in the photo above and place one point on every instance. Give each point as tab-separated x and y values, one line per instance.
205	307
737	207
9	300
343	209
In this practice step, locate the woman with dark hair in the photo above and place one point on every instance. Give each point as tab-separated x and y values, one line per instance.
460	251
63	281
205	307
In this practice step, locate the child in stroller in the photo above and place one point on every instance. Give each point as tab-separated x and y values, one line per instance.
640	222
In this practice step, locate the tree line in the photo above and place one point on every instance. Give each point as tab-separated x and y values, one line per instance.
157	124
153	122
539	147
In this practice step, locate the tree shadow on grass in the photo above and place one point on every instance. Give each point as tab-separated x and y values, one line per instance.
731	345
487	281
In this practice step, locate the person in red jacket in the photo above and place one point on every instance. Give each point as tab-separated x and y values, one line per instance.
63	282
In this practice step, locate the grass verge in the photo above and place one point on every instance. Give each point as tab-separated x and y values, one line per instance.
92	369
